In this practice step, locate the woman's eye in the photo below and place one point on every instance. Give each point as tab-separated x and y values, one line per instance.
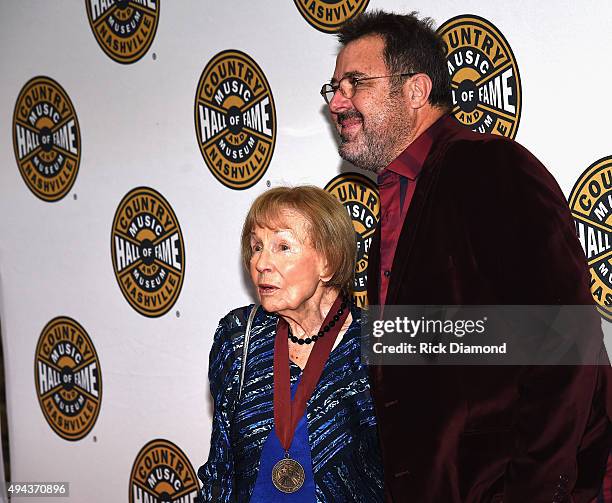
256	247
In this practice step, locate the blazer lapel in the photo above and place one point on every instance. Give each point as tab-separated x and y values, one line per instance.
405	244
425	183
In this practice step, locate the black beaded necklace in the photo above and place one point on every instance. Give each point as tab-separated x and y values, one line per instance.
324	328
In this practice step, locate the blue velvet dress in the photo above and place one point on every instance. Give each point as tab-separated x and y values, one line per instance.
272	452
340	420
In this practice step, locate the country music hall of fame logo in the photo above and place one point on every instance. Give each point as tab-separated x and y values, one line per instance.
485	79
328	16
162	473
591	205
359	195
124	29
235	119
148	252
68	378
46	139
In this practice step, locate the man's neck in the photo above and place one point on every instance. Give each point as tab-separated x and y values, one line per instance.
423	121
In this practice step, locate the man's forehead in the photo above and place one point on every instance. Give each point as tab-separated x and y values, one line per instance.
360	57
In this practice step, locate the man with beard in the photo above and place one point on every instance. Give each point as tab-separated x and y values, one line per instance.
466	219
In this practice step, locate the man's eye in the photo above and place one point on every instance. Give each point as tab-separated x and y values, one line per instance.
284	247
256	248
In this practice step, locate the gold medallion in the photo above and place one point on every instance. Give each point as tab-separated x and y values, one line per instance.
288	475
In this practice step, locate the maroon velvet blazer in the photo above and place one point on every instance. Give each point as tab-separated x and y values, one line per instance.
488	224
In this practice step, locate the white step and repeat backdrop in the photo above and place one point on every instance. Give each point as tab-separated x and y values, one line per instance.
134	136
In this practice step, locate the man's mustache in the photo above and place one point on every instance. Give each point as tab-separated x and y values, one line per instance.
350	114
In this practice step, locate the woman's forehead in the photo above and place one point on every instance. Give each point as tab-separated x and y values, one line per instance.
282	220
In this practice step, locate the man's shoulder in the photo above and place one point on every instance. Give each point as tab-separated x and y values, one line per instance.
461	141
492	168
466	154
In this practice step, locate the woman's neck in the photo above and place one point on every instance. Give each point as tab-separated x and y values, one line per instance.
307	320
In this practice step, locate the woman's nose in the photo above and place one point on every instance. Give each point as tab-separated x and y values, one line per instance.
263	261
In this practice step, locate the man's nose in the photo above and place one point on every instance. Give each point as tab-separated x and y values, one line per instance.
339	103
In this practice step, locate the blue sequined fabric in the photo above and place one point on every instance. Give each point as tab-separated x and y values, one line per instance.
341	423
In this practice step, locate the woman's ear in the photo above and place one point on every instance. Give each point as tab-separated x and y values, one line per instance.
324	273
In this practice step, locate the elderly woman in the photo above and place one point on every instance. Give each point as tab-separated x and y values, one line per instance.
293	420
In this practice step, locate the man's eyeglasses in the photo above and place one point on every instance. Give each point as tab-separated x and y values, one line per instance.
348	85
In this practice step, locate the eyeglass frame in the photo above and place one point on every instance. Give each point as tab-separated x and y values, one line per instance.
337	87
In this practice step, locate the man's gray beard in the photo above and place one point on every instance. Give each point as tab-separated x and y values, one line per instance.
374	157
386	136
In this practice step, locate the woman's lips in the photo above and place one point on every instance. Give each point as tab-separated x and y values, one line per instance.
266	289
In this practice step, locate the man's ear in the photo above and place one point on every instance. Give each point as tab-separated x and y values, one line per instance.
417	90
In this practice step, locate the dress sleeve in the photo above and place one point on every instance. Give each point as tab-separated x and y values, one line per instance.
217	474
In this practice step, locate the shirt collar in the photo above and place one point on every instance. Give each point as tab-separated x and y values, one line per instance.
410	162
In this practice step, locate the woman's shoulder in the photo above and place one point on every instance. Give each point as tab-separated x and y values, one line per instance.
358	319
230	327
356	312
236	320
228	340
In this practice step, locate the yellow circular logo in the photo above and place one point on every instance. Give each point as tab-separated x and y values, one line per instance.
46	139
124	29
148	252
359	195
162	473
328	16
485	79
591	205
68	378
235	119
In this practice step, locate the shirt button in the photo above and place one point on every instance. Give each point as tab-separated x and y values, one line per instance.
387	274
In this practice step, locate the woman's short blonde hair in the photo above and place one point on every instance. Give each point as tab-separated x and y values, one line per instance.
330	228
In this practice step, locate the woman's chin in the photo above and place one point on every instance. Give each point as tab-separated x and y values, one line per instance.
268	304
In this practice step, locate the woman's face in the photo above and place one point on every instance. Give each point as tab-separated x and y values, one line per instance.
285	268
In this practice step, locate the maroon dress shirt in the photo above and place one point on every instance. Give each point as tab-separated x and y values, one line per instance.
396	185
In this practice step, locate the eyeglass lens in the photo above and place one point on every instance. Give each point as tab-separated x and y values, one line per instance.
345	85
